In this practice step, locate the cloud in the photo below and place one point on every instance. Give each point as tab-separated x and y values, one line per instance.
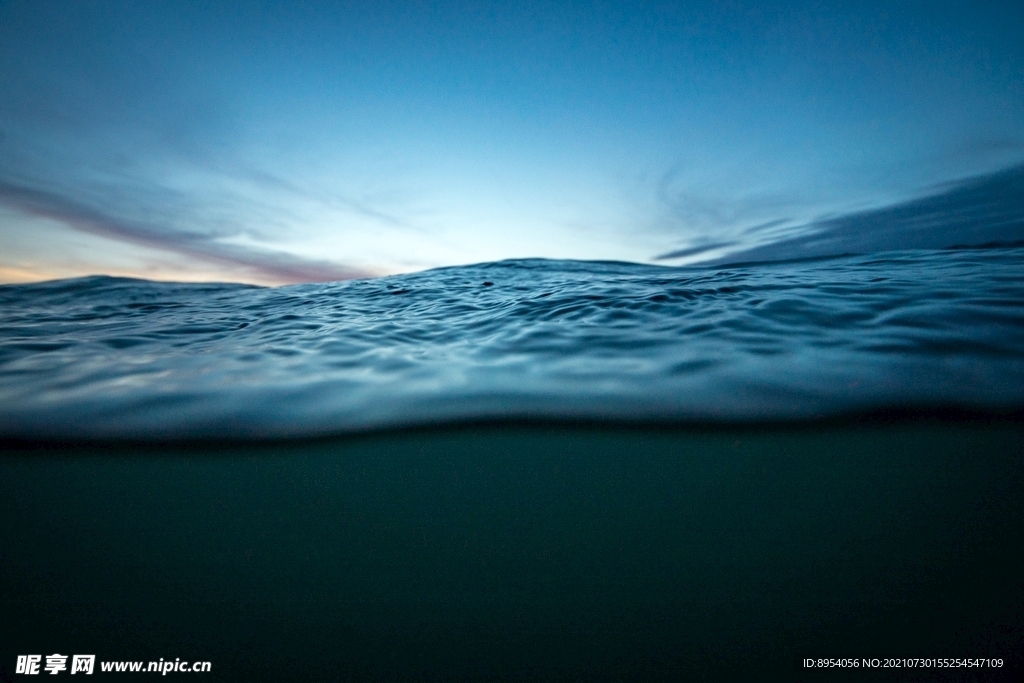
980	210
273	267
692	251
335	200
138	139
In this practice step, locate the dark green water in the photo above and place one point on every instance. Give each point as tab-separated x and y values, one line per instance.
524	553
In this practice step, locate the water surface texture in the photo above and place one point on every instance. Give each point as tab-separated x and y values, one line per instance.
115	358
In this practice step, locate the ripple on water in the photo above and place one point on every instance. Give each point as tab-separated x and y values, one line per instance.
112	357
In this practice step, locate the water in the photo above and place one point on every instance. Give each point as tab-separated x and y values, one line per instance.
526	470
114	358
529	552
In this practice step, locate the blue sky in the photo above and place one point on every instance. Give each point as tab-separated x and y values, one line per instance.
289	142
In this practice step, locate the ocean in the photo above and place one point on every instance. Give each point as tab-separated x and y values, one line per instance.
524	470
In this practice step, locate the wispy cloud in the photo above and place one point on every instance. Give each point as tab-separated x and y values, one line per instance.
692	251
985	209
334	200
272	267
149	147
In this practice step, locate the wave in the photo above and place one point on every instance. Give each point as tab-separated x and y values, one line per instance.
111	358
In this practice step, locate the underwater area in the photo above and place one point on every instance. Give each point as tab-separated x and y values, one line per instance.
525	470
527	552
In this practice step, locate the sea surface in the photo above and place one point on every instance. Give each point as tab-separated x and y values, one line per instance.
112	358
523	471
